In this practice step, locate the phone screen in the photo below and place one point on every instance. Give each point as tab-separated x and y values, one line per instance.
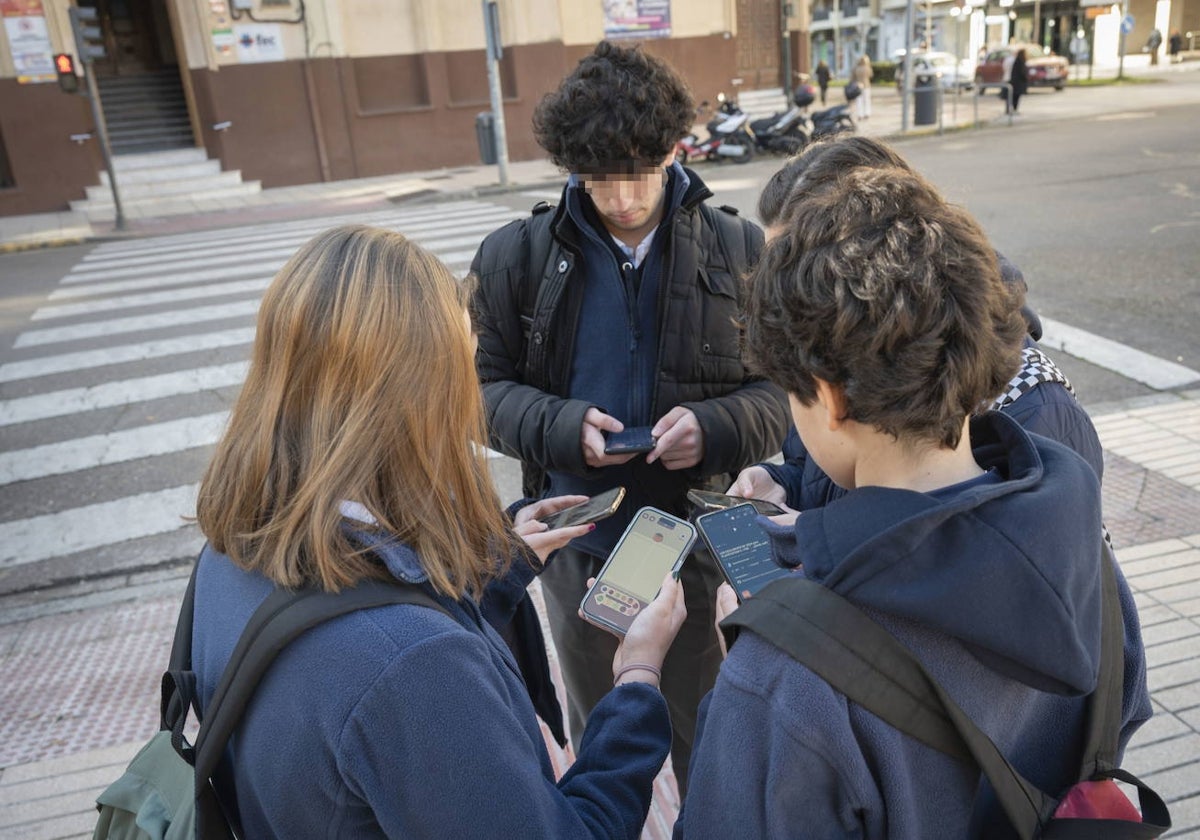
717	501
593	510
741	547
652	545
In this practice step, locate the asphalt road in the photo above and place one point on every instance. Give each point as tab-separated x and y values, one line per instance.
1100	212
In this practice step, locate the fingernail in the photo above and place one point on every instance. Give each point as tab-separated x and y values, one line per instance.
591	527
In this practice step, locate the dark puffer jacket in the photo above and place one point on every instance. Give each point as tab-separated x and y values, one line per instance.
526	308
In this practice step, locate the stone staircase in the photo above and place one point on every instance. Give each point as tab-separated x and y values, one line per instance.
146	112
761	103
165	183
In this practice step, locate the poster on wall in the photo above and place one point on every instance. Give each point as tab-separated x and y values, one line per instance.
637	19
28	40
258	42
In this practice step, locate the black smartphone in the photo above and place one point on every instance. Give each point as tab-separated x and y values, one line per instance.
630	441
600	506
709	500
741	547
654	543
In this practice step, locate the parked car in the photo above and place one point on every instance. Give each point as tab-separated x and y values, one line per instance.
950	71
1045	68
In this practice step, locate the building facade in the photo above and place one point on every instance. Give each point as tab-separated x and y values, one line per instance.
301	91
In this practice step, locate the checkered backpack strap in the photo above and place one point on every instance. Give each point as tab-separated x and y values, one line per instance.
1036	368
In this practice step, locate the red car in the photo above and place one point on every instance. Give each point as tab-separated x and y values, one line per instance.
1045	68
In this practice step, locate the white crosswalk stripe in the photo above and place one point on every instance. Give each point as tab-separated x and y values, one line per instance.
123	377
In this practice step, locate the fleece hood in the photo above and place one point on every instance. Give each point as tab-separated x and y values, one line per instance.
1003	567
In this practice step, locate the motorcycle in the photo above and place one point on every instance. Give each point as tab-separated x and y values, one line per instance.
786	132
837	119
728	137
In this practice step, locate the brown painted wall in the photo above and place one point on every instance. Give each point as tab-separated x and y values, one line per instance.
48	169
329	119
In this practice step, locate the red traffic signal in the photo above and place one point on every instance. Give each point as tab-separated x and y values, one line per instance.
67	80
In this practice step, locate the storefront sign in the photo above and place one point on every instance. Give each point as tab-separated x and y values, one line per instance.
637	19
28	40
223	41
257	42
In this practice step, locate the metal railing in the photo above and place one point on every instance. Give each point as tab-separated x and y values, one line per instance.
981	87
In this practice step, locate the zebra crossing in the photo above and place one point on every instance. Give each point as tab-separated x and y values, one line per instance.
123	378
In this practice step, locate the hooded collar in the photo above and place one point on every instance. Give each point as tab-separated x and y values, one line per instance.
1010	568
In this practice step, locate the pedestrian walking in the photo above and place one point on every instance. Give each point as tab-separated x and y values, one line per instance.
863	73
1152	45
344	462
1018	77
823	78
1175	45
928	486
618	309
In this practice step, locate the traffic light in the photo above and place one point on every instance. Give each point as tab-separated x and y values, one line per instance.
89	40
67	80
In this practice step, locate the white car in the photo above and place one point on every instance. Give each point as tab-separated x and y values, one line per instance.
950	71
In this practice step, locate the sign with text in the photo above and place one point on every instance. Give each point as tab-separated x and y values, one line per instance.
258	42
637	19
28	41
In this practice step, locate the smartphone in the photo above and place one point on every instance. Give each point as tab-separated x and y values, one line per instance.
600	506
654	543
719	501
741	547
630	441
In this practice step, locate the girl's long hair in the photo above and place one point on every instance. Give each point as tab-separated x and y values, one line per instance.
361	388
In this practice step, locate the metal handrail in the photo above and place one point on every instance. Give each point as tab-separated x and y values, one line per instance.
1008	92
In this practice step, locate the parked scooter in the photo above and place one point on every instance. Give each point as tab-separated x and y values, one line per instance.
837	119
786	132
728	137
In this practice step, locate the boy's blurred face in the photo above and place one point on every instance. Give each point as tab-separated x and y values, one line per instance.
629	199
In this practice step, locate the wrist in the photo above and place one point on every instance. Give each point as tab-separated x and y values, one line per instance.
637	672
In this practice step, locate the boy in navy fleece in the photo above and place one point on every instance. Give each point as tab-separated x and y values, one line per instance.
881	311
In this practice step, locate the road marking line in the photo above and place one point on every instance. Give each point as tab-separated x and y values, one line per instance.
149	245
210	290
279	249
113	448
121	392
70	531
66	362
116	326
1129	362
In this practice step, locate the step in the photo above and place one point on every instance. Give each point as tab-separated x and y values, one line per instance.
151	160
166	205
146	108
124	95
137	82
149	132
173	187
130	147
198	169
761	102
126	127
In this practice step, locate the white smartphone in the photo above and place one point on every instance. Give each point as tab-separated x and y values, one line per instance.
654	543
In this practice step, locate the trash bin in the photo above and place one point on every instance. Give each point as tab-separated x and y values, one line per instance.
485	134
925	105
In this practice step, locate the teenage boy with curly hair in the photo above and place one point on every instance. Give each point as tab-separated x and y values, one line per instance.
618	309
880	309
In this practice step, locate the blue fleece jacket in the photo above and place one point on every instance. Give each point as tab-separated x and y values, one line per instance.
401	721
996	588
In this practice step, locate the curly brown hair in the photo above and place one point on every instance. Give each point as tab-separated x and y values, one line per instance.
881	287
619	106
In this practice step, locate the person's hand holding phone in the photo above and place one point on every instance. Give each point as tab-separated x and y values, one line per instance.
727	602
537	536
756	483
680	440
650	635
591	439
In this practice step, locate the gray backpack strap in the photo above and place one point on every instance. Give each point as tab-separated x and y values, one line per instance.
1036	368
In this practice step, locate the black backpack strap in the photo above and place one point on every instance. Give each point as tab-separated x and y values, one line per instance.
534	293
866	663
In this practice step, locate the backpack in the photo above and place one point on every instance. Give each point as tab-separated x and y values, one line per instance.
856	656
166	792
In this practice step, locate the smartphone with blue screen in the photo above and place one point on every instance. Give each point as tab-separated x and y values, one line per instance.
741	548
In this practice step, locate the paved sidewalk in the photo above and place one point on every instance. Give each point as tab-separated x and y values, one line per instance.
959	112
79	690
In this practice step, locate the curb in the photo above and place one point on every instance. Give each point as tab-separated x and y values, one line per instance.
39	244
